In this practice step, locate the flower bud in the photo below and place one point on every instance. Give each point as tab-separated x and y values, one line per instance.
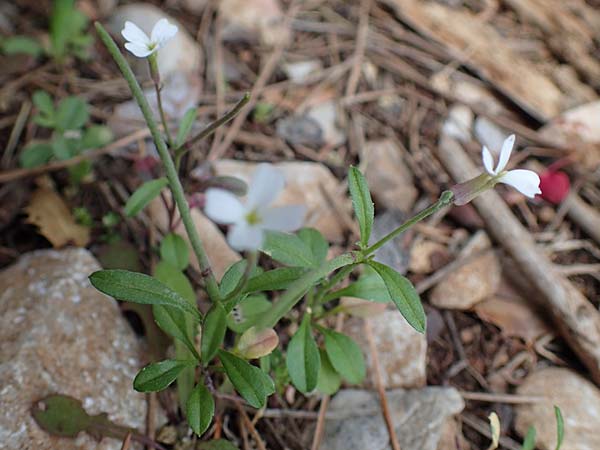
255	343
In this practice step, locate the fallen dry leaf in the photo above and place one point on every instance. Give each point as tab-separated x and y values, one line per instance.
48	211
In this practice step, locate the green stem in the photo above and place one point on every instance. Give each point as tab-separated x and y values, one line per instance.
251	260
444	200
154	73
339	276
212	127
176	188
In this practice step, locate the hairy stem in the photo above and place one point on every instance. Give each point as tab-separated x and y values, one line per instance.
153	62
212	287
444	200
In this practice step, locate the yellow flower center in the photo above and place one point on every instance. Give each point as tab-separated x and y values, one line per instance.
253	218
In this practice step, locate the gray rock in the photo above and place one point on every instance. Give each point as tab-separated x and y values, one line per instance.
419	418
390	179
402	351
396	253
59	335
578	399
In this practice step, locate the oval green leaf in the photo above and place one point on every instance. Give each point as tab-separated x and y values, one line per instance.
186	126
274	280
345	355
200	409
362	203
403	294
158	376
72	113
144	195
213	332
251	382
303	360
139	288
175	251
329	380
288	249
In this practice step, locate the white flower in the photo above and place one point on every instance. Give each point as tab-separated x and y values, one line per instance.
140	44
250	220
526	182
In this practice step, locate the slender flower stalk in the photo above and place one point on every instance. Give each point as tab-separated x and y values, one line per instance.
212	287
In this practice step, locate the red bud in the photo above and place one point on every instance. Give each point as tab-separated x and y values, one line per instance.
555	186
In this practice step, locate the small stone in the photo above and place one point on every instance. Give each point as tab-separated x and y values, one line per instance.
390	180
424	256
179	93
395	253
578	399
402	351
219	253
419	418
300	130
472	282
180	54
459	122
326	115
252	20
489	134
59	335
307	183
298	72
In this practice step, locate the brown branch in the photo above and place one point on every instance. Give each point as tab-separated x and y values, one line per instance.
576	318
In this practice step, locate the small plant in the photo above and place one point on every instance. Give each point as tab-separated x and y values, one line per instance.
317	357
71	134
529	442
68	36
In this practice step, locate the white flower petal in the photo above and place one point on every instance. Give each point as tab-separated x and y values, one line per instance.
526	182
488	160
267	182
223	207
162	32
134	34
139	50
284	218
507	147
242	236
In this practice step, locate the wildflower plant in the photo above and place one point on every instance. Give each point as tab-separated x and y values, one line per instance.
316	358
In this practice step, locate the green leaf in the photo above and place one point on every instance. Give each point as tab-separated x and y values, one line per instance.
529	442
64	148
369	286
175	251
560	427
22	45
139	288
216	444
158	376
35	154
329	380
72	113
186	126
96	136
288	249
200	409
316	242
232	277
176	323
213	332
61	415
144	195
247	313
251	382
303	360
362	203
274	280
345	356
403	295
43	102
299	287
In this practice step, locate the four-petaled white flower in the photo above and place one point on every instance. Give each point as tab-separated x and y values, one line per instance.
249	221
140	44
526	182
